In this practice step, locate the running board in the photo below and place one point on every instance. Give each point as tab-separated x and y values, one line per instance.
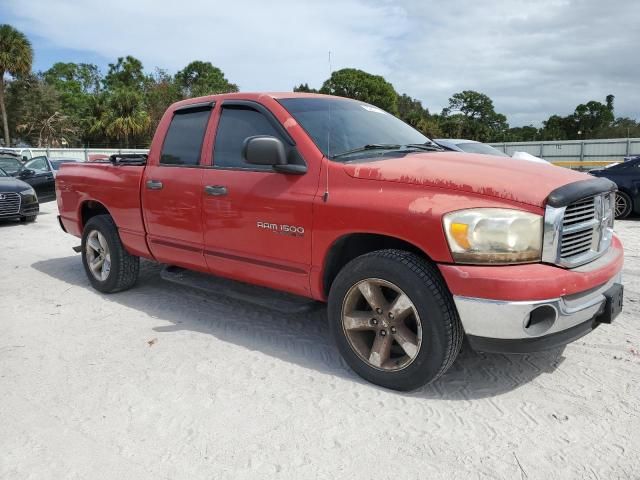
261	296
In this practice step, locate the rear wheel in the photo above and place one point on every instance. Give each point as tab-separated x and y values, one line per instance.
394	320
623	205
109	267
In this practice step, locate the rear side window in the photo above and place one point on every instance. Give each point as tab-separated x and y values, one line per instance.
183	142
236	124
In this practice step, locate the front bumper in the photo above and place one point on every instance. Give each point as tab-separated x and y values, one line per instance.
528	326
28	207
524	308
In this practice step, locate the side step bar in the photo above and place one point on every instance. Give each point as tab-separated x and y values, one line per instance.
261	296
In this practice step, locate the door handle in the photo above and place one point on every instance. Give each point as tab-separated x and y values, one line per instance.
215	190
154	185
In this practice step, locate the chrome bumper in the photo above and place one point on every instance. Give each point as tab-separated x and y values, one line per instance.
521	320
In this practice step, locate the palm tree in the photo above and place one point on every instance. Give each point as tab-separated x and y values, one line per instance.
16	56
126	117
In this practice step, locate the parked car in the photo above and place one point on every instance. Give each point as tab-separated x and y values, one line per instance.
471	146
18	200
43	163
24	154
626	176
36	172
335	200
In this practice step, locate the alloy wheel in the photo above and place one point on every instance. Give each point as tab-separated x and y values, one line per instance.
98	255
381	324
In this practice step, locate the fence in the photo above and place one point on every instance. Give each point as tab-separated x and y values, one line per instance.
82	153
582	154
577	153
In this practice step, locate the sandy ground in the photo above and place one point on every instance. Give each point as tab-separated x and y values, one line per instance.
164	382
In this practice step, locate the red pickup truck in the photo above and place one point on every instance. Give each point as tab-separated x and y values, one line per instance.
335	200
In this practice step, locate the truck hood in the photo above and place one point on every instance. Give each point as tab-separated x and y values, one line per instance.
523	182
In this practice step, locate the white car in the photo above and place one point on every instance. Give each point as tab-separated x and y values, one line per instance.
471	146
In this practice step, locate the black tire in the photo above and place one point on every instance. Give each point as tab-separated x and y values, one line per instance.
627	207
29	218
124	266
442	332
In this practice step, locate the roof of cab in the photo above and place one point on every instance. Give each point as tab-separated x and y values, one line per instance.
253	96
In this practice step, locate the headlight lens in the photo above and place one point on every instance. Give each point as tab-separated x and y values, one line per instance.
28	191
494	235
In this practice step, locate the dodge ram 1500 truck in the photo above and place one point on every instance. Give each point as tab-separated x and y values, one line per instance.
335	200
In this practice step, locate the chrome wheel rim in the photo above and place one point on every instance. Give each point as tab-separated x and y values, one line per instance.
98	255
381	324
621	205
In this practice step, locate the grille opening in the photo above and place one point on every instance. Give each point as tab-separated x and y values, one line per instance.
540	320
579	217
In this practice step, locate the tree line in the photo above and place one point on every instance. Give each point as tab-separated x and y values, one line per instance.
75	104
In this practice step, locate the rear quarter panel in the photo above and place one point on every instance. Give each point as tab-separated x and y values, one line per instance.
117	188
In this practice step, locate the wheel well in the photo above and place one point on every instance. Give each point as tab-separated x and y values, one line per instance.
90	209
351	246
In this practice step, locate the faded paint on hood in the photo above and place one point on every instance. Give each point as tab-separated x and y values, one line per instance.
523	182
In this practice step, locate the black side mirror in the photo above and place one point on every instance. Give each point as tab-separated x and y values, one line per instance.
264	150
26	173
267	150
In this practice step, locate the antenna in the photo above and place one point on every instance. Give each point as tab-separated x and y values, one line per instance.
325	197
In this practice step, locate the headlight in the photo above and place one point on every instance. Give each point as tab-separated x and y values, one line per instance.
494	235
28	191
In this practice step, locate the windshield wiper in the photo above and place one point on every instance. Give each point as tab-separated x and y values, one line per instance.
432	147
370	146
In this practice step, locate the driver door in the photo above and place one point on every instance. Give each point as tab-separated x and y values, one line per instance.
42	180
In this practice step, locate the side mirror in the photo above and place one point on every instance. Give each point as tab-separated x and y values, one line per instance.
25	158
26	173
264	150
267	150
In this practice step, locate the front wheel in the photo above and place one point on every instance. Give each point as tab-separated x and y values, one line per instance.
109	267
28	218
623	205
394	320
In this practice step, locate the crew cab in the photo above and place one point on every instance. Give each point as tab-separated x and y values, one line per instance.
338	201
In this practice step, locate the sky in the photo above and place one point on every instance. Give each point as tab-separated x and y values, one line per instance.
533	58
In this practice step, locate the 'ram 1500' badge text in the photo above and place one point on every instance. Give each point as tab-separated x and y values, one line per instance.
291	230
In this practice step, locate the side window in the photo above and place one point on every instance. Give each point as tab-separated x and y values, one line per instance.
183	143
236	124
39	164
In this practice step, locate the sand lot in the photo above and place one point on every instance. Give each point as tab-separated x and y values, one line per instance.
165	382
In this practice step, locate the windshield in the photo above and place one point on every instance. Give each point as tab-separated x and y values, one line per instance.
10	165
338	126
473	147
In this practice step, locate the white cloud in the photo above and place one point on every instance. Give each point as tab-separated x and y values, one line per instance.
532	58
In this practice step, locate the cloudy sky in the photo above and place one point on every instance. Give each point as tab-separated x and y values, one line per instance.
533	58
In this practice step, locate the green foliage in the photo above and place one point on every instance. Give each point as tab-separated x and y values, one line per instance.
161	91
37	108
304	87
202	78
471	115
126	118
127	72
16	57
363	86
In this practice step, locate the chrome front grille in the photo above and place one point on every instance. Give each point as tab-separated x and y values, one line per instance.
9	203
580	232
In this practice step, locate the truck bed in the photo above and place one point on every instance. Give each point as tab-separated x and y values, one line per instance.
117	186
